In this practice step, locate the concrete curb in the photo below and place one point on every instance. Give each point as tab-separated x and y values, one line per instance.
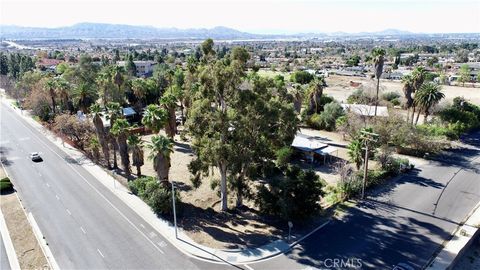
461	239
7	242
183	243
43	243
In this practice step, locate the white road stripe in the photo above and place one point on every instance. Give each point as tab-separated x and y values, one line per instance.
100	253
56	196
249	267
96	190
141	225
68	211
48	185
84	232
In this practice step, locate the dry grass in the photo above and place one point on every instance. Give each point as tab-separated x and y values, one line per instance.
29	252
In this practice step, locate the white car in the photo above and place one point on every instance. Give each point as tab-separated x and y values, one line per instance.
35	156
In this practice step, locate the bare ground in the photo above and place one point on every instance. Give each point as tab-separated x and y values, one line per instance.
29	252
339	88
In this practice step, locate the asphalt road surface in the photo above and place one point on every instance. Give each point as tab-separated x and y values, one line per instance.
87	227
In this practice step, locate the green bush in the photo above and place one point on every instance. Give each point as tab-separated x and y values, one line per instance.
156	195
283	155
389	96
326	119
295	195
435	130
5	184
395	102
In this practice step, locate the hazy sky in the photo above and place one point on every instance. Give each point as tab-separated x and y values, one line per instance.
258	16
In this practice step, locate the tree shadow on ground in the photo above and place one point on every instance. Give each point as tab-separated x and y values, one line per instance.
370	234
194	219
182	147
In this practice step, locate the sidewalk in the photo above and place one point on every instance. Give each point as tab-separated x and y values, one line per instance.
165	228
7	243
461	239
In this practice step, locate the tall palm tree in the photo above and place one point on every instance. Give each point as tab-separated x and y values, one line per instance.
418	77
154	117
114	112
428	96
161	147
135	143
118	77
63	91
50	86
169	102
407	91
315	95
84	95
120	131
297	93
378	61
100	130
104	81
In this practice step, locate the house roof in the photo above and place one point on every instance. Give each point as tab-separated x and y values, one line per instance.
307	143
366	110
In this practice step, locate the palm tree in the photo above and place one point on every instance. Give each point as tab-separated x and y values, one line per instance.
378	60
114	112
120	131
355	152
63	91
100	130
428	96
418	77
117	77
50	87
297	93
161	147
84	95
407	91
169	102
140	88
154	117
135	144
315	95
104	80
94	146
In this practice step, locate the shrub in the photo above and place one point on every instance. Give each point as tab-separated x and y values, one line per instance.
295	195
301	77
395	102
451	131
389	96
326	119
157	196
5	184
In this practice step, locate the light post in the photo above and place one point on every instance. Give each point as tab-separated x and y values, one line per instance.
174	211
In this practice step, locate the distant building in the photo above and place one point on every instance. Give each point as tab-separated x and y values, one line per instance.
144	68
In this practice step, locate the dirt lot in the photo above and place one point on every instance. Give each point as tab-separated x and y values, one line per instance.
29	253
339	88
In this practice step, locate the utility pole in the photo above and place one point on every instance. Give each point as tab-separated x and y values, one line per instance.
368	137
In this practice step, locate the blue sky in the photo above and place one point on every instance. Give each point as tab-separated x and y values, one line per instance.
260	16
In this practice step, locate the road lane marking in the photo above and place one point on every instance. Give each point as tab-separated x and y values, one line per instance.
68	211
24	139
141	225
84	232
100	253
39	174
48	185
90	184
162	244
56	196
249	267
152	234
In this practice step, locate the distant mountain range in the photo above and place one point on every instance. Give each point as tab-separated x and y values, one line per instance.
121	31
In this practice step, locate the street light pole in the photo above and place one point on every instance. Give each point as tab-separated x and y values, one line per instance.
174	211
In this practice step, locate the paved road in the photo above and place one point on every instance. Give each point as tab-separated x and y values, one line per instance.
405	222
85	225
4	264
88	227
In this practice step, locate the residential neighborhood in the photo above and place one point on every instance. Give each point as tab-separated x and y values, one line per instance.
198	142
